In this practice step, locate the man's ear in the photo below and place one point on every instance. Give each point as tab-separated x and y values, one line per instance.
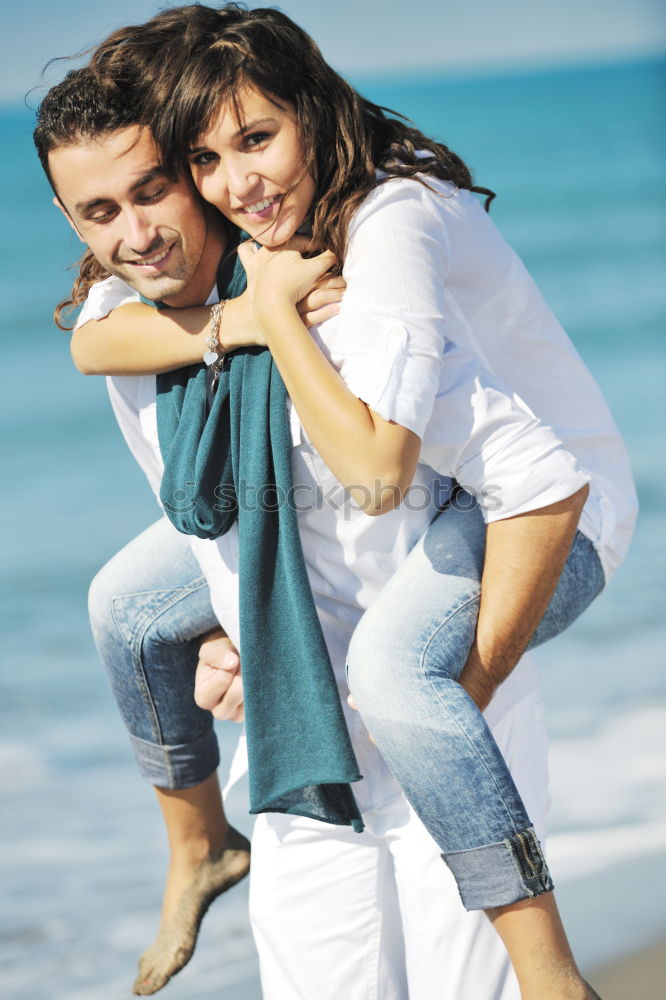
59	204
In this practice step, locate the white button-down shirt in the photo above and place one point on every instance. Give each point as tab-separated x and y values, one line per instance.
428	278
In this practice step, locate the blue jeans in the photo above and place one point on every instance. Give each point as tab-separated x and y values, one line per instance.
149	607
403	662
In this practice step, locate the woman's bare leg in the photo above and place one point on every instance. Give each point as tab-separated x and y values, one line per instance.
207	857
535	939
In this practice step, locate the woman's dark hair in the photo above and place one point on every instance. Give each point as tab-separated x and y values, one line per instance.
197	57
75	110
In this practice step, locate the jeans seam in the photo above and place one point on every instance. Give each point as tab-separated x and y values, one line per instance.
135	645
543	881
426	674
149	620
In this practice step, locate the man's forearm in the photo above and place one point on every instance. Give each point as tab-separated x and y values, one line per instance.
525	556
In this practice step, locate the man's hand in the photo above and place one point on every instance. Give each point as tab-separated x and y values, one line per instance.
323	301
524	559
217	685
477	680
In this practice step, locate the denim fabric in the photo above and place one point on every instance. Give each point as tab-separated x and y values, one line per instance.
403	661
148	607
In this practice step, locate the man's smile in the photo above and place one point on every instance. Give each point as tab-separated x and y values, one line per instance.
158	260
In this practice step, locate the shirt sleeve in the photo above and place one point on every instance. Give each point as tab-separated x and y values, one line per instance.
129	395
132	396
391	324
104	296
487	438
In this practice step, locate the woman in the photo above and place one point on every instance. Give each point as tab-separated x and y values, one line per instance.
267	151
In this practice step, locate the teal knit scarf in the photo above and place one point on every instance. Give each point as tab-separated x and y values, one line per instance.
233	463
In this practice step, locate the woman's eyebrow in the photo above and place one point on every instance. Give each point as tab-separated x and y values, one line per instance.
237	135
248	128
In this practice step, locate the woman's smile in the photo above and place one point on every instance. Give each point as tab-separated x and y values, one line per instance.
263	209
250	165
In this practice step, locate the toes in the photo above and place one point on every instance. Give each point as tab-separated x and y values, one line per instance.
175	942
155	969
147	985
144	974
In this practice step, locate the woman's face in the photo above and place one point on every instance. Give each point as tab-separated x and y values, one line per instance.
252	169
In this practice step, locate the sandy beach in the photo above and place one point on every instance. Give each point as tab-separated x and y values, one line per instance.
638	977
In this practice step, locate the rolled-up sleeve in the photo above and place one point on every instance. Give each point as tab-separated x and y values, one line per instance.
486	438
104	296
390	335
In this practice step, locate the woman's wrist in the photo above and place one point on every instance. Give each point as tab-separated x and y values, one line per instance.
273	313
215	352
239	326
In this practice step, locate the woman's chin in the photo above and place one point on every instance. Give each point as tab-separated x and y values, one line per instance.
277	234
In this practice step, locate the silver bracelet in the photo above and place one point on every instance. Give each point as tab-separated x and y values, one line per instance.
214	356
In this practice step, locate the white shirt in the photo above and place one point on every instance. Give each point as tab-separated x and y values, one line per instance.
422	269
349	555
423	260
427	272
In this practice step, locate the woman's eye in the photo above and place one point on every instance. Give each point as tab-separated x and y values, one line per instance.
203	159
256	138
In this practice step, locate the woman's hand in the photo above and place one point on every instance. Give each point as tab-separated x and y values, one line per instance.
319	302
282	276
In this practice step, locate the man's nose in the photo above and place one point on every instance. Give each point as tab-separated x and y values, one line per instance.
140	231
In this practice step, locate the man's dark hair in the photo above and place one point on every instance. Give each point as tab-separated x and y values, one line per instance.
80	108
77	109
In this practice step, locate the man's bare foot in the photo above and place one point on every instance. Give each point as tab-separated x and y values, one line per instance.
190	891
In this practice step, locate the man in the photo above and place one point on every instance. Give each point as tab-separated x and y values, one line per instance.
333	912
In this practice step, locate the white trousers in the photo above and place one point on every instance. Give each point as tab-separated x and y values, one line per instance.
338	915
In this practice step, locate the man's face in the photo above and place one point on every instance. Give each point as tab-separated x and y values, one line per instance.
142	227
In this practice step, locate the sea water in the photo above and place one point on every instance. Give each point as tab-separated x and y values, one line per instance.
578	161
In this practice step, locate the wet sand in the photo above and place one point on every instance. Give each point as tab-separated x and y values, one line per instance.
641	976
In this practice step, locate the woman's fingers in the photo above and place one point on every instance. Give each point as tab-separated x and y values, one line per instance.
289	273
303	244
248	255
317	267
322	302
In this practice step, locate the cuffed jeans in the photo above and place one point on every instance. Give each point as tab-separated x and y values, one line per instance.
403	662
149	607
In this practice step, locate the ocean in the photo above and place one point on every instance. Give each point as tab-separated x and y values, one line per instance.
578	159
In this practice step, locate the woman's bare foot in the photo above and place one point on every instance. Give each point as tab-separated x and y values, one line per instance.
191	888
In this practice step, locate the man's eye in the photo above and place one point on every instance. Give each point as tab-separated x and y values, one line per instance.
102	216
154	195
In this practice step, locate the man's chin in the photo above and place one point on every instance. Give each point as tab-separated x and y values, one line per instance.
155	288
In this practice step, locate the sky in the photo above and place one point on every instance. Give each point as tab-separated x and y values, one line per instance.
363	37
